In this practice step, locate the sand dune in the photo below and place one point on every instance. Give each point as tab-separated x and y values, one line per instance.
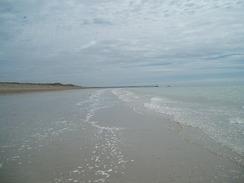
7	88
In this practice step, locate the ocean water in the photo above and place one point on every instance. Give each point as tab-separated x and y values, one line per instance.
212	117
72	136
54	137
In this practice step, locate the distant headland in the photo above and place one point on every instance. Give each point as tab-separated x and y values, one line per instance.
15	87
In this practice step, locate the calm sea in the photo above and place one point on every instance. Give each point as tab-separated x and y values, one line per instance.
55	137
212	117
59	136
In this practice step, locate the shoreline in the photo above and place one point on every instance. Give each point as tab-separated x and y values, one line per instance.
156	151
18	88
92	136
7	88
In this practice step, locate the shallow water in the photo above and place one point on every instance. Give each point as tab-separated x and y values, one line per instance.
216	113
89	136
52	137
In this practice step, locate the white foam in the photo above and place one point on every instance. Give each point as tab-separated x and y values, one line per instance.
124	95
100	180
97	158
236	120
109	148
104	172
15	157
76	171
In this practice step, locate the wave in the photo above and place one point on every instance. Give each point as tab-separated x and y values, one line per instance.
220	122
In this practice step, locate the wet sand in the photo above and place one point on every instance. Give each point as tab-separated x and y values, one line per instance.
102	141
11	88
157	153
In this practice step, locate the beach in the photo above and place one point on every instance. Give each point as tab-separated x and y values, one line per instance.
93	136
9	88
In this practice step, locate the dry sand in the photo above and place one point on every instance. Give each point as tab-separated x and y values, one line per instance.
8	88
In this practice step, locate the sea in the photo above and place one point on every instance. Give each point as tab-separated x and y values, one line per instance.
212	117
59	136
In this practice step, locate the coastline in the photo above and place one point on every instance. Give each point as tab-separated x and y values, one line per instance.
17	88
94	137
157	152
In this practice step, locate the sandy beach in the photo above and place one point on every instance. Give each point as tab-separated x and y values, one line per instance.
90	136
10	88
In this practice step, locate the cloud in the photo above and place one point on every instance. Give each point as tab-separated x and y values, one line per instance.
86	46
98	21
120	41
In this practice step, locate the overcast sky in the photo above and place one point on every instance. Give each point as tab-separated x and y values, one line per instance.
122	42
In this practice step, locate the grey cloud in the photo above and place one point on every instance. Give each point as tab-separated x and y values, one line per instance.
98	21
97	39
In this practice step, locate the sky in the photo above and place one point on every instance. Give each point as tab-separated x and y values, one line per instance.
122	42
